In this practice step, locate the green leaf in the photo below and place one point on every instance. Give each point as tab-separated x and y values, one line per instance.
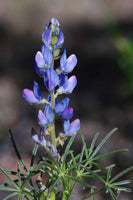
85	147
121	174
19	176
33	155
93	143
122	182
13	183
92	191
124	189
73	159
96	175
8	189
112	194
19	198
102	143
109	174
10	196
109	154
67	148
17	152
91	194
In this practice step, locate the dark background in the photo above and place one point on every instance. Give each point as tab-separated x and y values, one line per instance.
103	98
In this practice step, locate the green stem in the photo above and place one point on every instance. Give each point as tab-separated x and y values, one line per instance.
52	128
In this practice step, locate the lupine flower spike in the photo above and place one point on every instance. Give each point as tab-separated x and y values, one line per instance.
57	82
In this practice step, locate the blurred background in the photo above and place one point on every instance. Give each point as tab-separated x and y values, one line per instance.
100	33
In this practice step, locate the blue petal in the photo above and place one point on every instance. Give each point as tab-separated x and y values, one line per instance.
39	60
46	37
62	79
60	40
42	119
36	138
63	60
67	114
29	96
49	113
70	63
61	106
66	125
73	128
38	70
69	85
37	91
51	79
47	55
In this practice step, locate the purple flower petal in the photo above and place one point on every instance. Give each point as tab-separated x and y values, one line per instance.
68	86
61	106
40	60
66	125
62	79
47	55
46	37
60	40
42	119
36	138
70	63
63	60
29	96
37	91
49	113
73	128
67	114
67	64
38	70
51	79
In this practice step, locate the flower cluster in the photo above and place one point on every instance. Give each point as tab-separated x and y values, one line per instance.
57	82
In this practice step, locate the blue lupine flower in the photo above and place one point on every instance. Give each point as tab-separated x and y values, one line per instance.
52	37
61	108
46	117
39	139
34	96
54	25
70	129
44	58
68	86
51	79
67	64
